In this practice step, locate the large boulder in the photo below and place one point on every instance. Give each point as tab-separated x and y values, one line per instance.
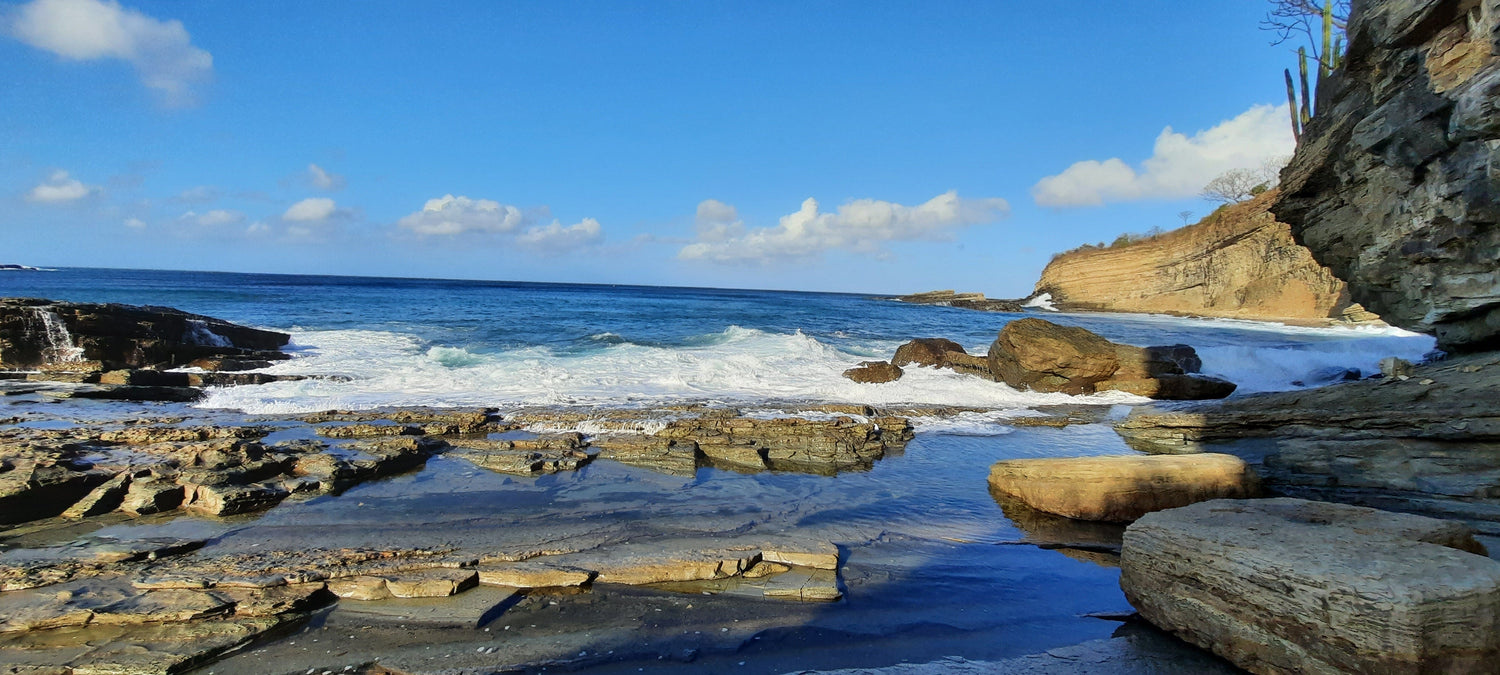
1122	488
36	332
1393	185
929	352
1043	356
1292	586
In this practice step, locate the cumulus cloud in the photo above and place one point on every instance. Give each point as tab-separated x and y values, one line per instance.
135	223
717	221
1179	165
450	215
84	30
861	226
214	218
311	210
60	188
555	238
323	180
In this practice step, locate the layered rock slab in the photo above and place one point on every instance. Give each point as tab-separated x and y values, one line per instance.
1292	586
1427	444
1122	488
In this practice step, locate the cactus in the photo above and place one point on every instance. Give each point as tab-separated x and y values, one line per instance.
1291	100
1336	58
1326	55
1307	111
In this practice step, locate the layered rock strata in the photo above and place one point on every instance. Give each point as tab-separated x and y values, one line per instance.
1290	586
1238	262
1393	185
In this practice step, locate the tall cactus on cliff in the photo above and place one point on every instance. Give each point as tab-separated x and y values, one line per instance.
1297	17
1291	105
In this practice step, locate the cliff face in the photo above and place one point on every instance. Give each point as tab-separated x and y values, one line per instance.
1239	263
1396	184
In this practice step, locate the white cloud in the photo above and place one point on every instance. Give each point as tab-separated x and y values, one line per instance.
450	215
324	180
862	226
717	221
214	218
135	223
312	209
59	188
555	238
258	229
1179	165
84	30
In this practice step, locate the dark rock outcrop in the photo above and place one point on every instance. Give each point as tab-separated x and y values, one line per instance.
1394	185
962	300
36	332
1044	356
1238	262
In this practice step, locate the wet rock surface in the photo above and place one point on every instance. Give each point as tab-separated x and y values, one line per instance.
36	332
1291	586
1428	443
1122	488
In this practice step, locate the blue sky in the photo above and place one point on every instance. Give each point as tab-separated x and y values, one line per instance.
944	144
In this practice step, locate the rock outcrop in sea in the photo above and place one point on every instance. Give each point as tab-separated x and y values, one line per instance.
91	336
1038	355
1239	262
1394	184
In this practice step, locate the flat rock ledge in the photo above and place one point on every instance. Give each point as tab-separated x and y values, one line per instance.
1122	488
172	606
1294	586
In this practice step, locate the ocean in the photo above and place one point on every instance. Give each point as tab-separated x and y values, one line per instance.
931	564
437	342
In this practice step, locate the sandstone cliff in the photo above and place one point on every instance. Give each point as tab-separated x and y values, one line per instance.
1396	183
1237	263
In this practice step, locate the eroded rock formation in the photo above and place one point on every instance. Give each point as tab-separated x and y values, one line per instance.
1396	183
88	336
1238	263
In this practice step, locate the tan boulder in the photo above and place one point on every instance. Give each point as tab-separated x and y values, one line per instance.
874	372
1292	586
1121	488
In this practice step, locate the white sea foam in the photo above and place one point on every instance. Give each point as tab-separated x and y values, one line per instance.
736	366
1043	301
